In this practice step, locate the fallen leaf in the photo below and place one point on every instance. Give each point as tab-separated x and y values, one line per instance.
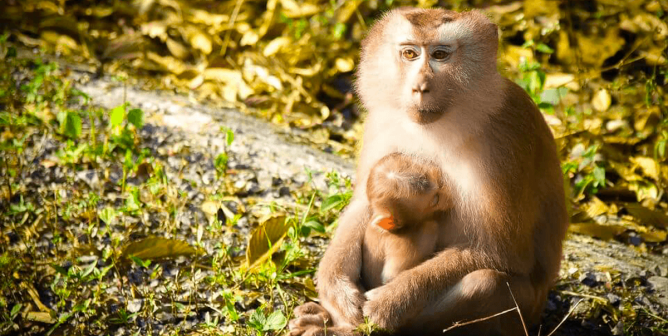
158	248
276	45
605	232
647	216
601	100
266	238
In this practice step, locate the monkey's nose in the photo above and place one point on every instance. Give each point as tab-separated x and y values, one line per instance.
421	88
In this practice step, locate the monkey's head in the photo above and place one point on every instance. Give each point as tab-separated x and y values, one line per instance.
403	191
423	60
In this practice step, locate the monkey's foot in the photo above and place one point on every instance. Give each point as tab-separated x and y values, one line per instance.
313	319
310	314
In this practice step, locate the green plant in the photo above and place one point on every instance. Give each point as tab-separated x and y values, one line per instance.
220	162
263	323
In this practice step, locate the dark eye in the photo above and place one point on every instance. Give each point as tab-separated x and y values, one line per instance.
409	54
440	55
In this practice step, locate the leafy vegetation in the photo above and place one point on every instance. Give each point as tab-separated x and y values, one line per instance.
106	229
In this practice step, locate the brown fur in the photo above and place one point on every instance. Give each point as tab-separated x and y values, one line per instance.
412	194
492	146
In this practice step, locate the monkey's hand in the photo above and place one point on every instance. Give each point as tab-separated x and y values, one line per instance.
342	298
308	318
387	306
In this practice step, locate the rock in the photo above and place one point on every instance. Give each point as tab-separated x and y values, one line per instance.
660	286
613	298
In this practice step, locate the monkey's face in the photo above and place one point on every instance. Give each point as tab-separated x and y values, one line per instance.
425	61
394	214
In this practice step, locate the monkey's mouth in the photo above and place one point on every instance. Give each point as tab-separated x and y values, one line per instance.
426	115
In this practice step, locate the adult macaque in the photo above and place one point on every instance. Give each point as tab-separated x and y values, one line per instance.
428	80
405	196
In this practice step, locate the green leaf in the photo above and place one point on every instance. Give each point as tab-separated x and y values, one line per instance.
546	107
136	118
15	310
599	175
315	225
266	238
158	248
59	269
117	115
257	319
140	262
107	215
553	96
70	124
332	202
544	48
229	136
221	162
275	321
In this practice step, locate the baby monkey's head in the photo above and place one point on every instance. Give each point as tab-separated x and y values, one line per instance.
405	191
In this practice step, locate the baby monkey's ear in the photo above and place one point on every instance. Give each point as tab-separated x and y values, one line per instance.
385	222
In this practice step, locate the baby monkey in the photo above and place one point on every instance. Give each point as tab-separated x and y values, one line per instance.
405	195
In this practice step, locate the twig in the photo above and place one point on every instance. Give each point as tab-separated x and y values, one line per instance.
593	297
461	324
570	311
526	332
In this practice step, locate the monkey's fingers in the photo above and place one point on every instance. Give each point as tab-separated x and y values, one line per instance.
311	308
309	320
315	331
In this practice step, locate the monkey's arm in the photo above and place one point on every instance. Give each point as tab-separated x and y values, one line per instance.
339	272
395	303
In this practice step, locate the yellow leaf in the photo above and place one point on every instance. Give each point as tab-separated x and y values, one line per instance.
155	29
158	248
276	45
596	49
647	216
199	40
168	63
266	238
540	7
654	236
293	10
595	207
222	75
601	100
344	64
207	19
177	49
348	8
555	80
249	38
41	317
649	167
605	232
234	82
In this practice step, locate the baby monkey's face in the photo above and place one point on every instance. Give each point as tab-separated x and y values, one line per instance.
394	213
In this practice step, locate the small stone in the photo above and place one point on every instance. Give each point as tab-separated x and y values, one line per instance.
618	329
614	299
588	279
134	305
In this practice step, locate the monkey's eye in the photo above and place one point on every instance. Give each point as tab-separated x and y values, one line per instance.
409	54
440	55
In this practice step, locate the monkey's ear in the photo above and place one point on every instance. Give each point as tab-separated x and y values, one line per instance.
384	221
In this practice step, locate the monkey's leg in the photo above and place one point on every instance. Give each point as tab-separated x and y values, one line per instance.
339	271
481	294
